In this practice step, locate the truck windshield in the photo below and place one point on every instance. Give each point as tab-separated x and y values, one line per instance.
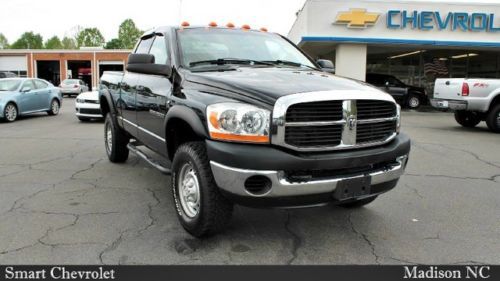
234	46
9	84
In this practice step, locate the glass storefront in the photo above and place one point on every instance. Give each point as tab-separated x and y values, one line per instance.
422	67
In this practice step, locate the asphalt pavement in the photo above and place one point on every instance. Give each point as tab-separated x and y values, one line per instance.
63	202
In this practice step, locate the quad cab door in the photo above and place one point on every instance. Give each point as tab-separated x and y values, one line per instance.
153	94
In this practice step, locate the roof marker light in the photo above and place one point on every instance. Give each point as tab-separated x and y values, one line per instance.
263	29
230	25
212	24
185	24
245	26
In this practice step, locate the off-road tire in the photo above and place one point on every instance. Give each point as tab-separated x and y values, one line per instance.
358	203
118	152
492	119
215	210
467	119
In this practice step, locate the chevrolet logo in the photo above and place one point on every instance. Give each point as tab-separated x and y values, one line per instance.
357	18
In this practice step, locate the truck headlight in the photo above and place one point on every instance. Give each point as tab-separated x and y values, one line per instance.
238	122
80	100
398	115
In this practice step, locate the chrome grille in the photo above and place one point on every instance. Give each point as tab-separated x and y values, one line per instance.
317	125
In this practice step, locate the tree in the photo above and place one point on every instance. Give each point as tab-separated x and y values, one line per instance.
128	34
90	37
68	43
53	43
115	43
4	43
28	40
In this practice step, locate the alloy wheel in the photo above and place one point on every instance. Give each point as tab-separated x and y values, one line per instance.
10	112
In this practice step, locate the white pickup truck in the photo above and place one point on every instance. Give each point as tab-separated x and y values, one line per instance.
474	100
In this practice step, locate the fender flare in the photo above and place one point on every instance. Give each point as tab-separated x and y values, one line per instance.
189	116
106	95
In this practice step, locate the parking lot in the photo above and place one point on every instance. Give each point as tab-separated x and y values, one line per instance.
63	202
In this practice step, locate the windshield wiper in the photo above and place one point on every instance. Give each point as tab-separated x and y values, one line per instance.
223	61
290	63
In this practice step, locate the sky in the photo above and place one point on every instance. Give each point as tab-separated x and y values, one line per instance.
61	17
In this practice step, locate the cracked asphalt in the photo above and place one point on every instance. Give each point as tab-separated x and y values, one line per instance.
62	202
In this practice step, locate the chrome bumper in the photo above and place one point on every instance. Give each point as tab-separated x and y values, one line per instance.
233	180
449	104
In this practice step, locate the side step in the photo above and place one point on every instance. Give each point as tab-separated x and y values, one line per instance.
132	147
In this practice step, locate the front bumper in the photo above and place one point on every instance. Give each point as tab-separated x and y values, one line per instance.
232	165
449	104
88	110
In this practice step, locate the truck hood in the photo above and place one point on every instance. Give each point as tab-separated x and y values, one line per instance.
267	84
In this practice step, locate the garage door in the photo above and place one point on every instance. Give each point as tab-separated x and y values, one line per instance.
13	63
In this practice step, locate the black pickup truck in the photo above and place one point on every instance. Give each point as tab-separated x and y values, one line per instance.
245	117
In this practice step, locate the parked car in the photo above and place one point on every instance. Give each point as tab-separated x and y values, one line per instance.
19	96
7	74
73	87
474	100
406	95
87	106
246	117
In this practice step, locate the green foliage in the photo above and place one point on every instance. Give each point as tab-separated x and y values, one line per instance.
53	43
113	44
90	37
68	43
128	34
28	40
4	43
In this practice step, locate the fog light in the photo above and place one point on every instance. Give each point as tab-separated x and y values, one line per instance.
258	185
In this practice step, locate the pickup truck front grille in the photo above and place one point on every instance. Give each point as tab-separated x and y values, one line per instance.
335	124
315	111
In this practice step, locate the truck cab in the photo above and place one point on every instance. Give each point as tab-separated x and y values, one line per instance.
241	116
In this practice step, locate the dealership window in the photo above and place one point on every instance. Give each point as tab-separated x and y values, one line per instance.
423	67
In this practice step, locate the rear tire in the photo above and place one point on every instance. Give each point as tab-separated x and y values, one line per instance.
493	119
115	141
358	203
414	101
201	208
467	119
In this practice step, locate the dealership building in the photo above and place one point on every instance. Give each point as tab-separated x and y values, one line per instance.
57	65
415	41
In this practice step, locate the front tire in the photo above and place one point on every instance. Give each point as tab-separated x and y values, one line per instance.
10	112
467	119
493	119
54	107
201	208
414	101
115	141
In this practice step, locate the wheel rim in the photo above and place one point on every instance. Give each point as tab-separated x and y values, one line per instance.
414	102
10	112
189	190
108	138
55	107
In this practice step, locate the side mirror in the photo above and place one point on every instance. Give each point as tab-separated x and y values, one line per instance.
25	89
326	65
145	63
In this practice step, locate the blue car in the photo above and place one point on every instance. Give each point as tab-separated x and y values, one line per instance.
20	96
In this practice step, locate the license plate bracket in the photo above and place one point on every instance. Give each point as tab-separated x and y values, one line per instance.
353	188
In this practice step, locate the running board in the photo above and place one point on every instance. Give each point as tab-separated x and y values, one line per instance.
132	147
